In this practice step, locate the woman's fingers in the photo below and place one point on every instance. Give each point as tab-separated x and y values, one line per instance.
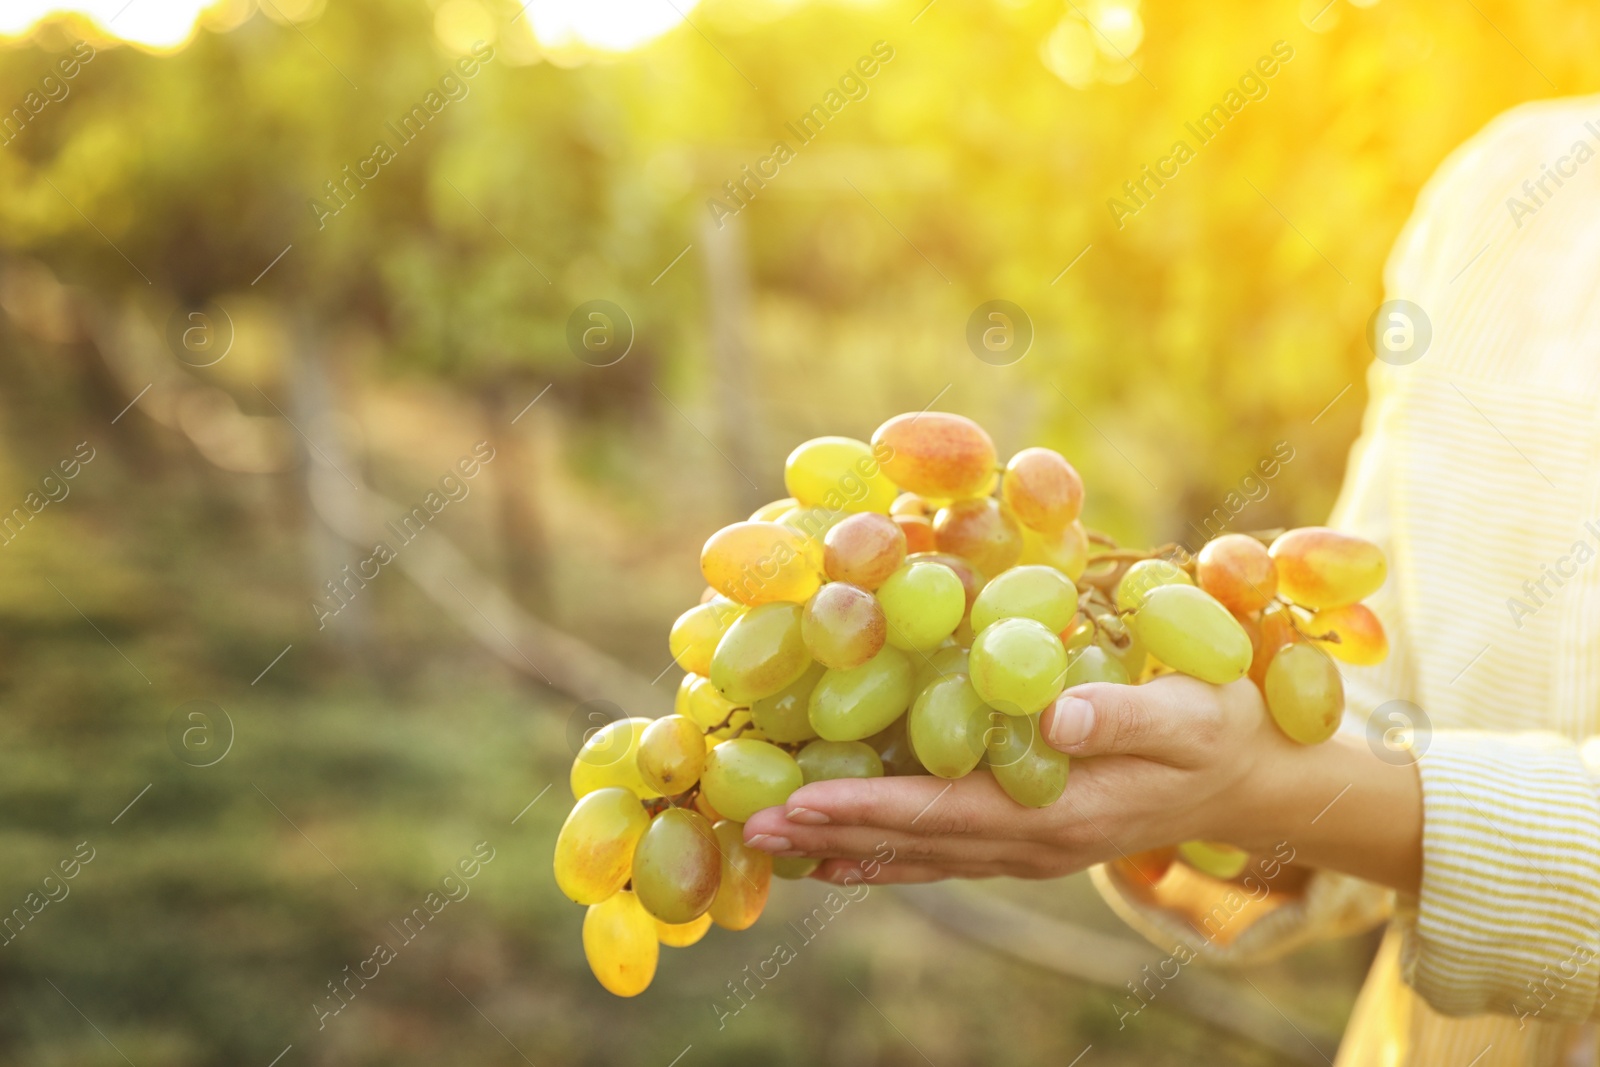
973	805
869	842
1164	720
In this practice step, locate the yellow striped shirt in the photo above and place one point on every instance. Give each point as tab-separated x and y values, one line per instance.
1478	471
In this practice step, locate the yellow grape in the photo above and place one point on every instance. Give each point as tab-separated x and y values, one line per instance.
1018	666
759	563
705	707
1030	771
918	532
1361	639
762	652
893	745
1190	631
1145	575
1043	490
813	524
770	512
935	454
839	474
1305	693
910	504
680	699
864	550
1027	592
610	758
672	753
982	530
1323	568
746	879
594	850
1220	861
794	867
695	634
946	727
1237	570
922	603
744	776
1095	664
843	625
938	664
823	760
853	704
785	715
620	943
676	866
1067	552
682	935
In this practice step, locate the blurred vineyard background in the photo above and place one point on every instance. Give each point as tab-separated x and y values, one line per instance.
371	349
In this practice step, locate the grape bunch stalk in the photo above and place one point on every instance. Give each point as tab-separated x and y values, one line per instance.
911	608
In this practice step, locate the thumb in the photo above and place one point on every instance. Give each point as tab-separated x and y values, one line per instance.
1103	719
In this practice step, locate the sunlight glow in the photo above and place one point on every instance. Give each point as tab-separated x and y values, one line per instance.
156	24
604	25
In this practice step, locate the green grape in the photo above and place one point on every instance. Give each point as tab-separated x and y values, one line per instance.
893	746
794	868
1030	771
1214	858
1190	631
610	757
760	654
813	524
619	941
1305	693
744	776
942	663
676	867
922	603
1018	666
822	760
682	935
856	703
672	753
946	727
1027	592
706	707
785	715
842	625
1095	664
1145	575
594	850
746	878
696	633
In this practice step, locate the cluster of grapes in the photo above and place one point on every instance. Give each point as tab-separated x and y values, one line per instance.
895	616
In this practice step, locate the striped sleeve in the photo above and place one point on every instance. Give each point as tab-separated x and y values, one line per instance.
1508	919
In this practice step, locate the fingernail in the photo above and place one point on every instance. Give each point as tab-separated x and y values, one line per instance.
769	843
1073	722
806	817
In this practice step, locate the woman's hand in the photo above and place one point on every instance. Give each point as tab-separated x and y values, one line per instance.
1174	760
1170	761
